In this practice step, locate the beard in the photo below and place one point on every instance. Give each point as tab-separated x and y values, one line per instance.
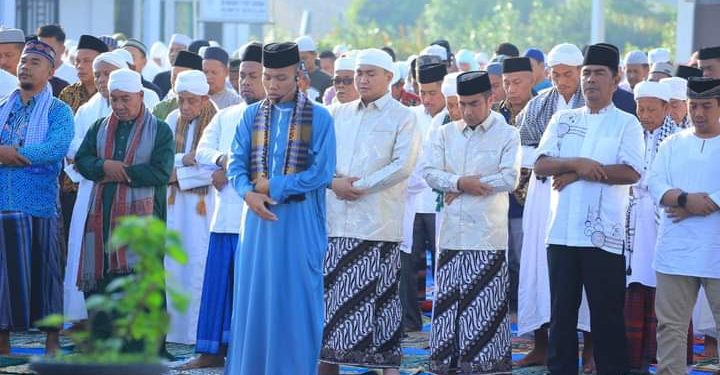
27	86
250	100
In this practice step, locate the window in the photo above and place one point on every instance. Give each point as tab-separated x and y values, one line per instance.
31	14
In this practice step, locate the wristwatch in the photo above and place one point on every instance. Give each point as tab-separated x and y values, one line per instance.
682	199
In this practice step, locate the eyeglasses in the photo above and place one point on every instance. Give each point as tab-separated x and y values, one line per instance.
344	81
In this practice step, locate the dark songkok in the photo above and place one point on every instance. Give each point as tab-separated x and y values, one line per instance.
413	69
280	55
216	53
703	88
604	55
709	53
137	44
685	71
432	73
187	59
471	83
253	52
39	48
234	64
93	43
195	46
516	64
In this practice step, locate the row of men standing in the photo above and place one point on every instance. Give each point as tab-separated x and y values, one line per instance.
361	312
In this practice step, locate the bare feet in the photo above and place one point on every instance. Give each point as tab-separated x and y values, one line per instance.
710	347
205	361
588	362
4	342
538	356
52	343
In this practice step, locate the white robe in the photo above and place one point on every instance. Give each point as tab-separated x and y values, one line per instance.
194	232
534	284
73	299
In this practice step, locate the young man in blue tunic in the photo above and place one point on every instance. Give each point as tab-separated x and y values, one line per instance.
282	160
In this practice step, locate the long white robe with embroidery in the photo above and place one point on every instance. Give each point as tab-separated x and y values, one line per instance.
194	229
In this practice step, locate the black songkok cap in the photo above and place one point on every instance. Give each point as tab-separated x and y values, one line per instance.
604	55
187	59
93	43
280	55
516	64
195	46
432	73
685	71
709	53
703	88
253	52
471	83
216	53
234	64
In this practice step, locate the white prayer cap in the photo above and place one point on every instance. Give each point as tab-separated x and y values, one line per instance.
192	81
449	85
677	86
345	62
649	89
435	50
181	39
659	55
565	54
635	57
400	71
125	80
125	55
482	58
114	59
375	57
158	50
465	56
305	44
214	43
340	49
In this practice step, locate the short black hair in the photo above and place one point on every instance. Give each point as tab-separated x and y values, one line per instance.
327	55
390	52
507	49
52	31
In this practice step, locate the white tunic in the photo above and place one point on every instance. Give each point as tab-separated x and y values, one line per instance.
67	73
592	214
8	83
74	300
692	246
215	142
194	229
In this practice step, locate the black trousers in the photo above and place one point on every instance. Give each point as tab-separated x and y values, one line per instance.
603	276
411	266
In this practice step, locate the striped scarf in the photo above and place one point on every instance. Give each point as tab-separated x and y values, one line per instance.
128	200
207	112
537	113
297	156
38	120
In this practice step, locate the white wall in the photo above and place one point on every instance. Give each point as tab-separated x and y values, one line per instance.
87	17
684	30
7	13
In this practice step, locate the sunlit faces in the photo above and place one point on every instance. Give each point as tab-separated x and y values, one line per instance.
432	98
651	112
190	104
34	71
139	59
10	57
174	49
710	67
565	78
453	107
216	73
102	76
344	82
498	92
280	83
518	87
598	84
126	105
636	73
704	114
250	81
83	63
371	82
678	110
474	109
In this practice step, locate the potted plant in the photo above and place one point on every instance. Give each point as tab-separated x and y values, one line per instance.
131	311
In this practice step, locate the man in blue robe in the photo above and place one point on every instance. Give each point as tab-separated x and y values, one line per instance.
282	160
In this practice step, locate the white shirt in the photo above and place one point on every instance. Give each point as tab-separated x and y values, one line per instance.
492	151
8	83
592	214
151	70
215	142
67	73
225	98
425	196
692	246
377	143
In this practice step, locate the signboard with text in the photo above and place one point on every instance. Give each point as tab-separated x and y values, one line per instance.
237	11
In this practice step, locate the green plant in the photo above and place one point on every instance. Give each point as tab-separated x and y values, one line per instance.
134	304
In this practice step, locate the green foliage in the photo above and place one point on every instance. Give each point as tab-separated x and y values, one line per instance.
135	301
481	25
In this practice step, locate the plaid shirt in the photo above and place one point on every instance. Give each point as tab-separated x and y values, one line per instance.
409	99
